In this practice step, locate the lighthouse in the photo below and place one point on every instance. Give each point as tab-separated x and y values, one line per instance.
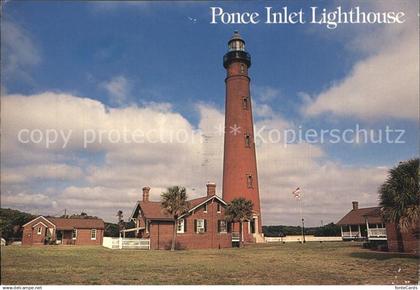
240	177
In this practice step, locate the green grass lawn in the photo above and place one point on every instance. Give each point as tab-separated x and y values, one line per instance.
291	263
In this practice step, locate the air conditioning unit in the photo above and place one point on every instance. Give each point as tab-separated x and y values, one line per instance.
201	230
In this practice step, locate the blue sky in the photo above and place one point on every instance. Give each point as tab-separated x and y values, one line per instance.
146	55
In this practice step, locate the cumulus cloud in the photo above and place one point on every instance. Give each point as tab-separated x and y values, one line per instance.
385	83
107	176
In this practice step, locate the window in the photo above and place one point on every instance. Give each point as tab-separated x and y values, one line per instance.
180	226
74	234
242	68
221	226
200	226
249	181
236	45
219	208
93	234
39	230
205	207
245	103
247	140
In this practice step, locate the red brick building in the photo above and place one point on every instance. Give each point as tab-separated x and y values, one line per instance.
203	226
367	224
65	231
363	224
409	242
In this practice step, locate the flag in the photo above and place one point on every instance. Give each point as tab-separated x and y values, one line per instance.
296	193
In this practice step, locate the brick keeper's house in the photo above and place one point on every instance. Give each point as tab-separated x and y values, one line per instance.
65	231
203	226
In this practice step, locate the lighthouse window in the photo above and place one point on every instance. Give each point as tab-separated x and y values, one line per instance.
247	140
245	103
249	181
242	68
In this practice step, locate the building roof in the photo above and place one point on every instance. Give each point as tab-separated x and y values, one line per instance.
71	223
358	216
153	210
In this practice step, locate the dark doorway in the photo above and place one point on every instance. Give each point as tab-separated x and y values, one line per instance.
252	224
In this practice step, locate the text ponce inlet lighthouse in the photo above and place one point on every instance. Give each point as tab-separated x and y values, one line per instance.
240	178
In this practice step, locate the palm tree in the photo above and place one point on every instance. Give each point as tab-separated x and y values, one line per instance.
174	202
239	210
400	196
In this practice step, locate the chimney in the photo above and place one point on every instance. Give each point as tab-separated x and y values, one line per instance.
355	205
211	188
146	190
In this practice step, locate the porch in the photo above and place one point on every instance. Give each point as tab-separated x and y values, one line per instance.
378	233
133	232
353	232
66	237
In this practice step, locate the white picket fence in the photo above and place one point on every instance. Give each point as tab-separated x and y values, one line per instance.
126	243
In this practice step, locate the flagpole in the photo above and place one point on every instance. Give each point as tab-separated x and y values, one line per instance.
297	195
303	221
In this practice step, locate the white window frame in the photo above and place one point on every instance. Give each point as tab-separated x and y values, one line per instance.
91	232
180	224
39	231
205	208
200	225
219	208
74	234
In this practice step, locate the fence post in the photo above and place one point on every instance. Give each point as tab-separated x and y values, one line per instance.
120	243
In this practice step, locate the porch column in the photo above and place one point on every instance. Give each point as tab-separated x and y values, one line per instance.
350	231
367	228
341	229
256	225
360	234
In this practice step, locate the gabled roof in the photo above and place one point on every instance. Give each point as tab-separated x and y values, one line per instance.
358	216
375	216
200	201
40	218
71	223
152	209
75	223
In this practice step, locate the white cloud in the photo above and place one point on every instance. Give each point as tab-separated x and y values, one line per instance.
26	199
118	88
108	176
384	84
57	172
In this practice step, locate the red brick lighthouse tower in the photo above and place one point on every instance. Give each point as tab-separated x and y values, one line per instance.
240	177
